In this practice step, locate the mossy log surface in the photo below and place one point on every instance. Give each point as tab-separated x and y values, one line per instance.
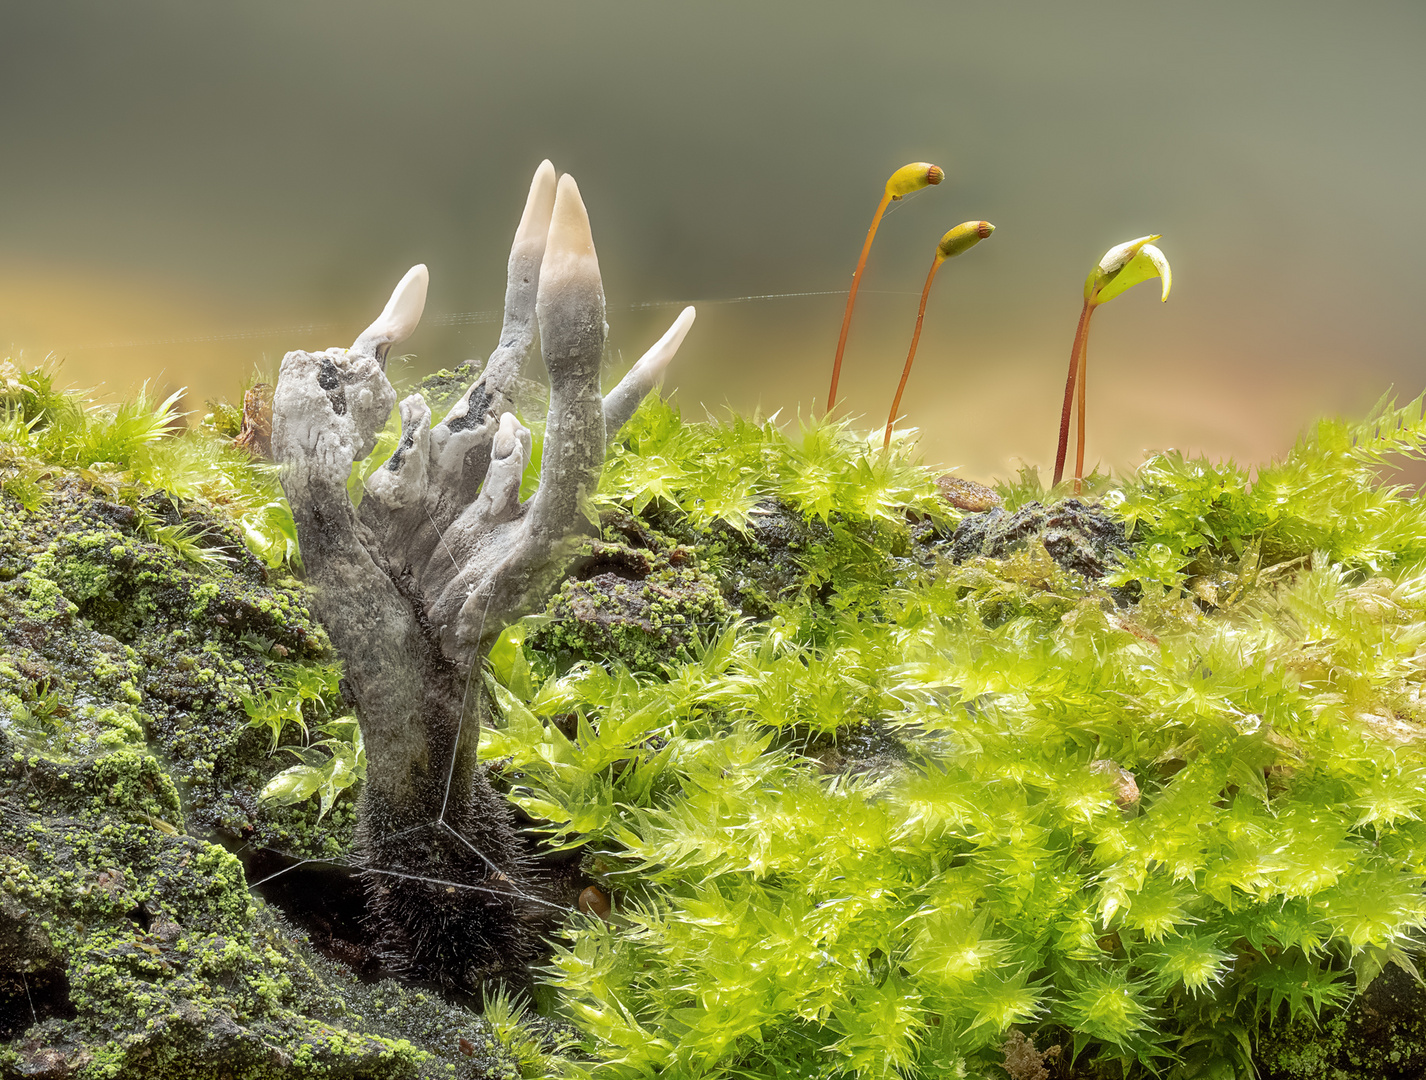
136	940
130	942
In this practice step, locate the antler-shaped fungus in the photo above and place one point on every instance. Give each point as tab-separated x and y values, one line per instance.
416	584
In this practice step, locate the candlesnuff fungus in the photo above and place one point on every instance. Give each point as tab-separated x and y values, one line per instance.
415	585
1121	268
962	238
902	182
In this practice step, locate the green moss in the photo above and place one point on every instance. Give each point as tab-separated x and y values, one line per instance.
1144	828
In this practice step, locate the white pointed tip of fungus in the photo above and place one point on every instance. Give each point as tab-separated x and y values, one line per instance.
1161	264
507	437
402	312
656	360
569	253
539	204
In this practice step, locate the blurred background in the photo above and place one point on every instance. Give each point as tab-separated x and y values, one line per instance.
189	189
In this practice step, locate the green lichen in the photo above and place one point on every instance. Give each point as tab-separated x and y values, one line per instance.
173	970
104	626
1382	1036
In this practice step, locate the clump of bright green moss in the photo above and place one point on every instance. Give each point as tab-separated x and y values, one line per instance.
1143	829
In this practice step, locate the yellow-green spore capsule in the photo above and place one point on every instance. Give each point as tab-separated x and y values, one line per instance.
913	177
963	237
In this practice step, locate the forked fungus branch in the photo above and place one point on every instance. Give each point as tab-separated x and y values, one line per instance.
415	584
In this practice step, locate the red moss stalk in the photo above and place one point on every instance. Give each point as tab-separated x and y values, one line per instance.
901	183
1077	353
962	238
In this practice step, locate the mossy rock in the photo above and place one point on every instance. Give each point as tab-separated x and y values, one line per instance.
1381	1035
114	642
130	943
1081	537
634	597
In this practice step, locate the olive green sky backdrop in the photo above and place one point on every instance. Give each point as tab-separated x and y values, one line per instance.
174	174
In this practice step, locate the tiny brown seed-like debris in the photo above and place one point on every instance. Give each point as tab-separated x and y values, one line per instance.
967	494
593	902
1121	782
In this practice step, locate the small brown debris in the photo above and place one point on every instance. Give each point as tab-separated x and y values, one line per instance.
1023	1061
967	494
466	1047
166	930
1121	780
1131	626
46	1063
593	902
111	881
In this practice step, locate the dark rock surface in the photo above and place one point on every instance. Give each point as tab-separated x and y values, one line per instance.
755	567
633	597
1081	537
1380	1036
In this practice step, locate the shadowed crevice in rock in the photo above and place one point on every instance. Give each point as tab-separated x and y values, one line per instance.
33	984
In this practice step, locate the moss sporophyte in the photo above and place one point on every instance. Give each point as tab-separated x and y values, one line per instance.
962	238
904	181
1122	267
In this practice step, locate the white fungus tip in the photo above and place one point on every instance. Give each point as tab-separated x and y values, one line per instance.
507	437
653	362
569	253
539	204
398	319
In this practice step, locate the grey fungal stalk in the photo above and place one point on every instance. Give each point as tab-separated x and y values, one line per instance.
416	584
